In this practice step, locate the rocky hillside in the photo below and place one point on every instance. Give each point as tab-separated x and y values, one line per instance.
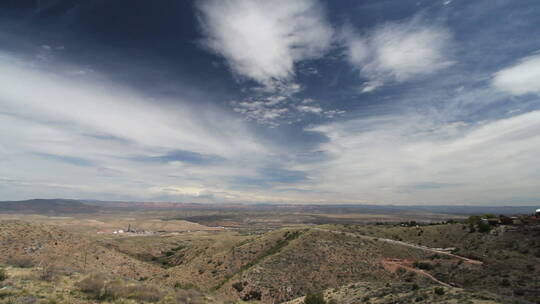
363	292
395	264
25	244
284	264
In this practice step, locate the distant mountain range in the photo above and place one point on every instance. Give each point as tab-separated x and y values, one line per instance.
47	206
68	206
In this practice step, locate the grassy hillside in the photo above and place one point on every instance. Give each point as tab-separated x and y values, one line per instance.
510	257
27	245
284	264
276	266
363	292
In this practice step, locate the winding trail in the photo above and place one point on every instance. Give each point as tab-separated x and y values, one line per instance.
401	243
394	264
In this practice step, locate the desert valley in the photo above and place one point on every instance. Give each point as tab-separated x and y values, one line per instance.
176	253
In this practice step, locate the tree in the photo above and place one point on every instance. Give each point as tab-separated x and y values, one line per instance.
484	227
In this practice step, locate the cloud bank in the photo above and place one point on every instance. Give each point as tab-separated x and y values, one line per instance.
262	40
398	51
415	159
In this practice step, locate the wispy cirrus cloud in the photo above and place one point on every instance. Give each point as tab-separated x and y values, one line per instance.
90	132
262	40
398	51
417	159
521	78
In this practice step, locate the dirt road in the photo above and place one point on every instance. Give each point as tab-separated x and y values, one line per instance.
401	243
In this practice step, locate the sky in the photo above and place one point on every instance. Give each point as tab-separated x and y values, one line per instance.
271	101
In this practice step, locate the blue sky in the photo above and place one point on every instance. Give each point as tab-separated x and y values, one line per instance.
307	101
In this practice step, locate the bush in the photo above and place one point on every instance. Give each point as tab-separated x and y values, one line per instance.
20	261
180	285
238	286
423	265
252	295
484	227
519	292
505	283
189	297
3	274
93	285
113	290
314	298
97	287
439	291
142	293
48	272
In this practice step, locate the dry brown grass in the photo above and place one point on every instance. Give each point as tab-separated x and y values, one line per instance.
100	287
92	285
20	261
190	296
140	292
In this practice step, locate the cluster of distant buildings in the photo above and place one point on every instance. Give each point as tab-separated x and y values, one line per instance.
129	230
524	220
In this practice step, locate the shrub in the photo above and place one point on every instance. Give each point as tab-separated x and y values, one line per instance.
423	265
505	283
314	298
238	286
189	297
439	291
483	227
180	285
48	272
20	261
252	295
3	274
113	290
98	287
519	292
142	293
93	285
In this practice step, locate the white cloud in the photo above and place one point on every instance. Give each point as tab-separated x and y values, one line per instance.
261	40
416	159
68	137
398	51
310	109
276	110
98	108
521	78
267	111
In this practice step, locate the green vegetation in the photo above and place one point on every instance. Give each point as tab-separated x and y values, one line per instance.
478	222
351	263
238	286
276	248
3	274
102	288
314	298
423	265
439	291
